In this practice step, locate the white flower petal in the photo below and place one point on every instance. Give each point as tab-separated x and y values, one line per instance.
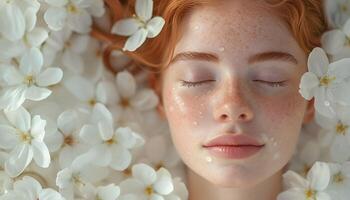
339	149
72	61
308	84
121	158
41	154
131	185
67	122
37	94
57	3
156	197
50	194
144	173
318	62
101	155
20	118
79	43
293	180
12	98
38	128
163	184
12	22
80	22
101	113
322	196
154	26
105	130
144	9
49	76
28	186
80	88
333	41
346	28
292	194
18	160
37	36
12	76
55	17
30	18
90	135
146	99
126	84
126	27
319	176
9	137
136	40
109	192
31	62
125	137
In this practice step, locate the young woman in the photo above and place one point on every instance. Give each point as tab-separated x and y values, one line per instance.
228	82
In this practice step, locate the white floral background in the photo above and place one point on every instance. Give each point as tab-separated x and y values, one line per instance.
71	129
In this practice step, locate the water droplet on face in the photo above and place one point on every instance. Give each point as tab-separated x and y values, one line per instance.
208	159
196	27
195	123
221	49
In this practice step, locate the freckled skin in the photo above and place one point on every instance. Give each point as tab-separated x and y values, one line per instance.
275	114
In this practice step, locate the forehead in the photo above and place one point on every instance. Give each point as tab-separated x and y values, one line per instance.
238	27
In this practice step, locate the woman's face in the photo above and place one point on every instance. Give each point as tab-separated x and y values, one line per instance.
239	48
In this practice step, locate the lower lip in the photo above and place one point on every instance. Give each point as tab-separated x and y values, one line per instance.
234	152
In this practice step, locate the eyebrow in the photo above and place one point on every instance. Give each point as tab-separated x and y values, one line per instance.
260	57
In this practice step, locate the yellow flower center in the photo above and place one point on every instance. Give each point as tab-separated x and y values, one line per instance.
69	140
338	178
111	141
310	194
72	8
29	80
341	128
149	190
124	103
25	137
326	80
92	102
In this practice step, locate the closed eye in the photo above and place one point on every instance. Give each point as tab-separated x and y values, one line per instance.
272	84
194	84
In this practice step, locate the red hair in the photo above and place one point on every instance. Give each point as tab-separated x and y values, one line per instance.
305	19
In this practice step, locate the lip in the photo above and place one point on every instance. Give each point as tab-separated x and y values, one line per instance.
233	146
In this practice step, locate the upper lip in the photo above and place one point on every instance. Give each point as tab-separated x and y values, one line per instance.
233	140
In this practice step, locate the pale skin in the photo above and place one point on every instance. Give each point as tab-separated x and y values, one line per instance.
246	49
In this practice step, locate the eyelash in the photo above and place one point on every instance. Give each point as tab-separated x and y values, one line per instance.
271	84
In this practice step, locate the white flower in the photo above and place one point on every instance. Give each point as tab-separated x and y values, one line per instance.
130	101
30	189
108	192
337	40
66	139
304	189
6	183
139	27
25	140
146	184
69	46
340	181
16	17
336	135
29	82
180	191
337	12
110	148
73	13
86	91
326	82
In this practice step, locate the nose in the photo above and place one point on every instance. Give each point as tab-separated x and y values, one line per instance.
232	105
